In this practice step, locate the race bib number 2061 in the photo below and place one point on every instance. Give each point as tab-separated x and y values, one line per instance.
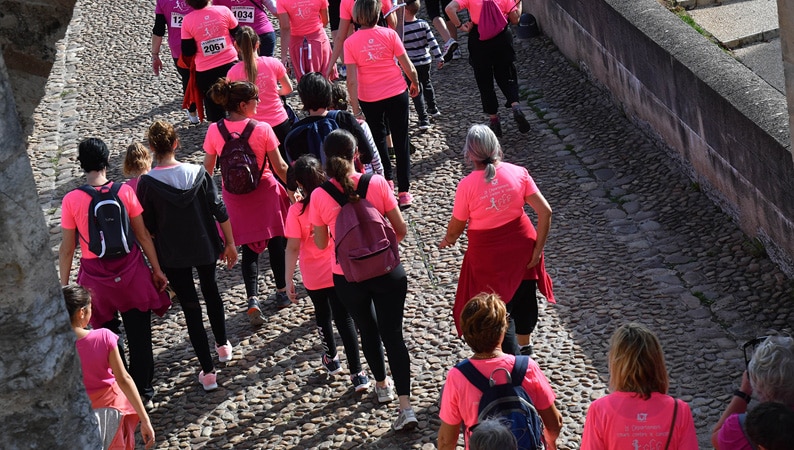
213	46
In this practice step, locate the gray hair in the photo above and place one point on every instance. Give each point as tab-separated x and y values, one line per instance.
482	148
492	434
366	12
771	370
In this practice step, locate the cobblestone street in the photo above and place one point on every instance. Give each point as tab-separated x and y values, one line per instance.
633	238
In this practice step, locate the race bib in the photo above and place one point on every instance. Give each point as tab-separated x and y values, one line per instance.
243	14
213	46
176	20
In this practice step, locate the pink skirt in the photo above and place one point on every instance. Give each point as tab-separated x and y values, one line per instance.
259	215
313	57
120	284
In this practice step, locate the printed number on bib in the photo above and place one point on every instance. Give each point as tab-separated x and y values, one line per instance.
213	46
176	20
244	14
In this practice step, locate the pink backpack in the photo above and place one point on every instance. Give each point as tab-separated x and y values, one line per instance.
366	244
492	20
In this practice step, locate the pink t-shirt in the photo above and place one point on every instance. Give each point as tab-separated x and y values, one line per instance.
248	14
461	399
268	71
324	208
315	264
304	15
475	7
74	213
174	12
209	27
732	436
346	8
623	420
491	205
373	51
94	350
262	140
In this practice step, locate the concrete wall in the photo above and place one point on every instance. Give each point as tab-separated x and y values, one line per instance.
726	124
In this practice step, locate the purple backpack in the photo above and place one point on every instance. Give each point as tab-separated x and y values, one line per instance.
239	169
366	245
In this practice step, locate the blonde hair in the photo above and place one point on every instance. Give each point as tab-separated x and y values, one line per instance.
137	160
483	322
636	361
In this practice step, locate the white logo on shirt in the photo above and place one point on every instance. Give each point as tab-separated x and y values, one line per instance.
642	417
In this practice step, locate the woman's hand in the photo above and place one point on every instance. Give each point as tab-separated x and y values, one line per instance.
446	243
537	253
159	279
229	255
147	432
747	387
466	26
157	64
293	297
413	90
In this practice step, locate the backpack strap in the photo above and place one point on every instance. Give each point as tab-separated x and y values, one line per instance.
335	193
363	184
249	128
332	114
223	130
742	418
473	375
519	370
672	424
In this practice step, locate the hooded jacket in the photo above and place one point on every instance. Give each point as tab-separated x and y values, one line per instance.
182	222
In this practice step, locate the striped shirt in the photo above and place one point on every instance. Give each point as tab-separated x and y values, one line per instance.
420	42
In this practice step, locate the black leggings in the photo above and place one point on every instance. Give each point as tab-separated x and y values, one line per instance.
138	328
276	247
523	310
394	112
326	306
204	81
377	308
181	280
493	60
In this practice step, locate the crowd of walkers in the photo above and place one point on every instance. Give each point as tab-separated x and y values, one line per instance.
291	187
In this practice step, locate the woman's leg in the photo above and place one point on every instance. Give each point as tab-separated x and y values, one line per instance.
212	298
267	43
525	310
181	281
396	109
376	120
138	326
250	268
205	80
357	301
281	130
347	330
506	77
184	75
322	316
277	249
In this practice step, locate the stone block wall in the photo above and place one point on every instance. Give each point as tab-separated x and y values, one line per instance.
729	127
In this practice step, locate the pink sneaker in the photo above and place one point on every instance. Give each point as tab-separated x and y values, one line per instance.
209	381
224	352
405	199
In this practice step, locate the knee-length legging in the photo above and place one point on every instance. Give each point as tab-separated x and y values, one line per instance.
377	308
326	306
181	280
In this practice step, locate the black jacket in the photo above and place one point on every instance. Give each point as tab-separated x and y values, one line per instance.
182	222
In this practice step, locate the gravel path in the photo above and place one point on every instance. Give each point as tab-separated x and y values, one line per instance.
633	238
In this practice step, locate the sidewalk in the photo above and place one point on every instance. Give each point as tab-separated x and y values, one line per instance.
633	239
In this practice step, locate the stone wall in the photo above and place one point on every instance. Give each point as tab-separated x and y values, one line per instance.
727	126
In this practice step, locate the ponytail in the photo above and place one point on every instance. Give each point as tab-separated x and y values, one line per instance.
340	148
247	39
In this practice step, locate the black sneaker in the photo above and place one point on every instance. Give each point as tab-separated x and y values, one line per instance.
496	127
332	365
424	125
360	381
434	112
521	119
527	350
282	301
255	312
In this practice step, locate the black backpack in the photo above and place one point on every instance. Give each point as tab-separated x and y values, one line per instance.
508	402
239	169
308	138
109	232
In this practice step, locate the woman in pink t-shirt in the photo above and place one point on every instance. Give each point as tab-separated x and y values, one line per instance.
207	36
376	304
258	216
303	36
270	76
491	200
484	321
168	15
252	13
106	381
638	413
377	89
316	265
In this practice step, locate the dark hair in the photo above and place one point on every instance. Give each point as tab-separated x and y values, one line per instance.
230	94
76	298
340	149
339	100
771	425
198	4
483	322
412	6
315	91
246	39
162	138
309	173
93	155
367	12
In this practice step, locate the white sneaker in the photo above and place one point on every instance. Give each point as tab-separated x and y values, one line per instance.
450	47
457	54
192	117
406	420
385	394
